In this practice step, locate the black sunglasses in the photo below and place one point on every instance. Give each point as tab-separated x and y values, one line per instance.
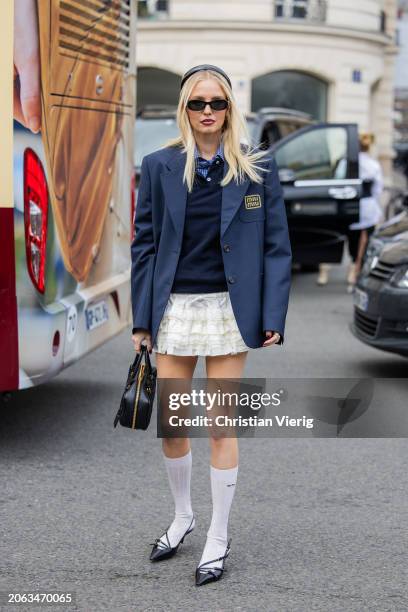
199	105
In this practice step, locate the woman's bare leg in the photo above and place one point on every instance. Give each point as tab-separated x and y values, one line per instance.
323	276
362	244
174	366
224	451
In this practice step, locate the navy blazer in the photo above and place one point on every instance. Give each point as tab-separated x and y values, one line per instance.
254	242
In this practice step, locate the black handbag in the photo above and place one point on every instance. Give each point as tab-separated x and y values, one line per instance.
137	400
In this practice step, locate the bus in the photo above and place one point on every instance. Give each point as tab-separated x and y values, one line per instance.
67	188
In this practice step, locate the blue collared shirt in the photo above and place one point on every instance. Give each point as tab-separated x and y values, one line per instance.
203	165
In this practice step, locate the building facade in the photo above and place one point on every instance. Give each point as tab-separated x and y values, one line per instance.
401	75
334	59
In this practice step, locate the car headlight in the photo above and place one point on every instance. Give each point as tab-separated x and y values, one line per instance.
367	265
400	278
373	251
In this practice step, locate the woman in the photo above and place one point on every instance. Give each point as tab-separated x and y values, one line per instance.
370	214
211	266
370	208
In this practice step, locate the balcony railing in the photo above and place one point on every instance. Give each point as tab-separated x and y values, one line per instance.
306	10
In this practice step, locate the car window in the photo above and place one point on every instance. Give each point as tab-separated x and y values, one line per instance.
270	133
320	153
151	134
287	127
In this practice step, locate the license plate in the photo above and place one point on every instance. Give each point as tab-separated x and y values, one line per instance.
96	314
360	299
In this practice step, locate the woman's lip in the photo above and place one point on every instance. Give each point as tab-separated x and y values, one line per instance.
208	121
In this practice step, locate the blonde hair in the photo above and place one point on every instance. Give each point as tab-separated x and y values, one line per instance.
366	139
242	164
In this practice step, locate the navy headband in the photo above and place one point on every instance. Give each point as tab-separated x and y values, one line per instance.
195	69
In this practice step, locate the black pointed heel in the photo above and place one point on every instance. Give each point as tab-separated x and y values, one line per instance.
162	550
204	575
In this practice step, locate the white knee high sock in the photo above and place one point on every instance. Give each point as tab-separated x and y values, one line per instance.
223	484
179	474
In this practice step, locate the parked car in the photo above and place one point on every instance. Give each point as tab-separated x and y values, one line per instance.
268	125
318	170
153	126
381	293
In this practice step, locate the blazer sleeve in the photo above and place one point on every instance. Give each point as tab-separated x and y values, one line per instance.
142	254
277	255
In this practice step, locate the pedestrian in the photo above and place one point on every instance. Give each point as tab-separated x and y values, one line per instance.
210	276
370	208
370	214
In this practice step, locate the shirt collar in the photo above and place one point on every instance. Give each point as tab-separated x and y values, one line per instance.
220	152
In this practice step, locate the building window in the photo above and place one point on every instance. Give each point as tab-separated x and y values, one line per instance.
152	9
383	21
293	90
156	86
308	10
356	76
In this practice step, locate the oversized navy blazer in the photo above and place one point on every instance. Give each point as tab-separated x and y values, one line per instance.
254	243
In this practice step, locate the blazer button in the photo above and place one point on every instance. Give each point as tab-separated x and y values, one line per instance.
231	279
227	248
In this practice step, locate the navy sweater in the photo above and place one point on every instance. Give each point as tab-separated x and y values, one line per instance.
200	267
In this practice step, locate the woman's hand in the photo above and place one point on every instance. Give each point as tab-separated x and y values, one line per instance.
138	337
273	338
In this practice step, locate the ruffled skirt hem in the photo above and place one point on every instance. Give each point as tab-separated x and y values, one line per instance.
199	324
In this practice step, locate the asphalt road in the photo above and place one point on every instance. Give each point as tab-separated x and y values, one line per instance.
316	524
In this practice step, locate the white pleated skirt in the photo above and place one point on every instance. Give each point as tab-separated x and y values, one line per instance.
199	324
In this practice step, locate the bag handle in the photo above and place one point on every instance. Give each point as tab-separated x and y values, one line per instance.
139	356
136	361
147	358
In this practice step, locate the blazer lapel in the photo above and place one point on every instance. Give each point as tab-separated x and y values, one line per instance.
175	194
232	195
175	191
